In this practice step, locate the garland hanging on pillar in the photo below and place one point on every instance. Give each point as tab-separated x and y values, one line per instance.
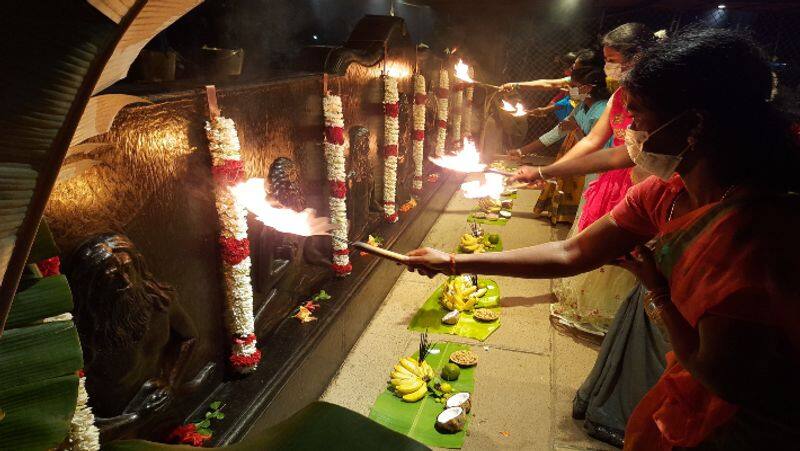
391	132
419	130
337	201
228	171
466	121
458	99
442	94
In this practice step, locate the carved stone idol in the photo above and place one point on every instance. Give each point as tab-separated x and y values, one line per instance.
136	338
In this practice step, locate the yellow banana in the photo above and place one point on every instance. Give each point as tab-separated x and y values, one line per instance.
412	366
417	395
411	387
402	376
400	369
469	291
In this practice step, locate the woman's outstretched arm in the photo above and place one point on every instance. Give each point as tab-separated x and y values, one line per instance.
595	246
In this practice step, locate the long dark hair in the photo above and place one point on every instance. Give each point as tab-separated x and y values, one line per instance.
629	39
592	75
725	76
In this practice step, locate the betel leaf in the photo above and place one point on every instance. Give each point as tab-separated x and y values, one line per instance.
215	405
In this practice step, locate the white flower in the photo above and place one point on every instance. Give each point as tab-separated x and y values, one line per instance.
223	142
457	101
83	434
335	162
391	133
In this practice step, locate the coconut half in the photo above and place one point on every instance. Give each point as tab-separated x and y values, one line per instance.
451	318
452	420
505	214
461	400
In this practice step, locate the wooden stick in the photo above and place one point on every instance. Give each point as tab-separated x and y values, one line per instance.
213	106
380	252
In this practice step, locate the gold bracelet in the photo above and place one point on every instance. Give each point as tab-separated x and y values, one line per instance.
654	302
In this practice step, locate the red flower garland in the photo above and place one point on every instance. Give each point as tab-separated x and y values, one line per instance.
245	361
49	266
233	250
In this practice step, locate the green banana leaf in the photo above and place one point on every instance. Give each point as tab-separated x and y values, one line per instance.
429	316
498	221
417	419
319	426
49	296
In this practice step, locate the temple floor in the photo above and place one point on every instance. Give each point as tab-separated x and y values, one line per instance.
527	372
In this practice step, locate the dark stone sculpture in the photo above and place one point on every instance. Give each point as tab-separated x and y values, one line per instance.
136	338
284	184
361	196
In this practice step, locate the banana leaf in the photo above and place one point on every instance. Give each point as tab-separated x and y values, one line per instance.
49	296
319	426
38	415
417	419
429	316
498	221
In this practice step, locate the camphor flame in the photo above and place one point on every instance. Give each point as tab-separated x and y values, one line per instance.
517	111
466	160
253	196
492	186
462	72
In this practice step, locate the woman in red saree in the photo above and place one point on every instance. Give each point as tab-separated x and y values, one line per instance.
714	240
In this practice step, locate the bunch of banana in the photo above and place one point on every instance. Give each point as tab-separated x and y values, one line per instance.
409	379
471	244
460	294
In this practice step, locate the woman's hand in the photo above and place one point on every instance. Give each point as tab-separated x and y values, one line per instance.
540	112
528	174
642	264
515	153
428	261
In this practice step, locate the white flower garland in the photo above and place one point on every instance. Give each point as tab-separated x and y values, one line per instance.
418	113
458	99
223	143
443	105
391	133
466	127
337	178
83	434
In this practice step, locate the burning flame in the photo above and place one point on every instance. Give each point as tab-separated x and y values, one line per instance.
252	195
466	160
516	111
462	72
492	186
397	71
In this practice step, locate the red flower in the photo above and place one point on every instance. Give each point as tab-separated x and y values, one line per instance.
338	189
341	251
230	172
311	306
334	135
342	270
233	250
441	124
187	434
391	109
420	99
418	135
49	266
390	150
245	361
391	218
80	373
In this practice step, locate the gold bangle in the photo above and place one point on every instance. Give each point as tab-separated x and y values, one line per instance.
539	168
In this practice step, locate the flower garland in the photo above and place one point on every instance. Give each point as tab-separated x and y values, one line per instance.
337	201
227	171
458	99
418	111
391	132
466	124
83	434
442	95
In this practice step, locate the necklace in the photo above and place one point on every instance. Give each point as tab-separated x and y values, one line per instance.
675	200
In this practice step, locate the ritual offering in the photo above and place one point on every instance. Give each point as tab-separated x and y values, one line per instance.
504	214
451	318
450	372
470	244
410	376
506	204
461	400
464	358
486	315
461	293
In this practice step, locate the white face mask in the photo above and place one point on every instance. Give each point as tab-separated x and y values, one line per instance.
661	165
614	71
576	95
